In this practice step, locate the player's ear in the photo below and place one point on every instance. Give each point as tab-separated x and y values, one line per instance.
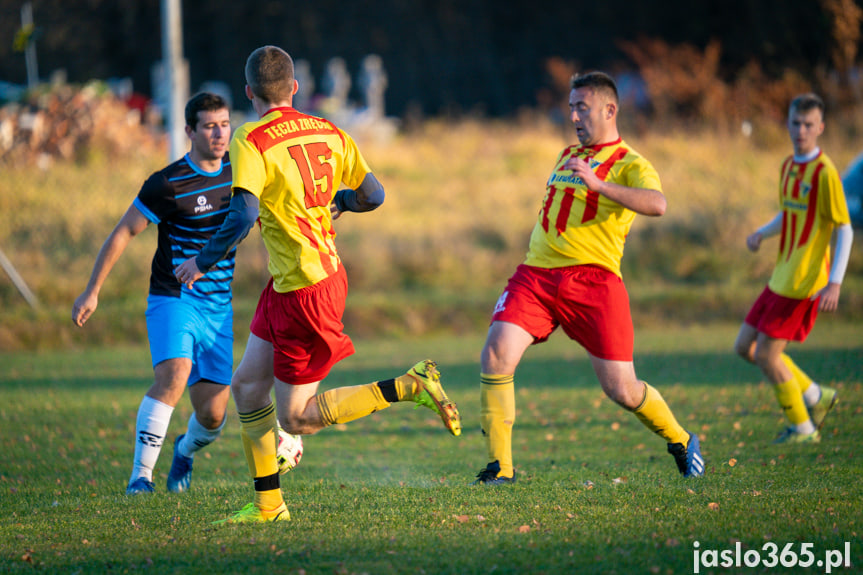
610	110
296	87
249	93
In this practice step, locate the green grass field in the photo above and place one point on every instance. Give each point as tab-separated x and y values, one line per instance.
388	494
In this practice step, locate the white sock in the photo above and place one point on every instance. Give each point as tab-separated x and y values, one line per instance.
197	437
812	395
150	429
805	428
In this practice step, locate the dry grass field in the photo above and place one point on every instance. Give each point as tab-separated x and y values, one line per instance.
462	197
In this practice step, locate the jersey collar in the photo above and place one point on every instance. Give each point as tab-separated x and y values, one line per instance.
280	109
597	147
808	157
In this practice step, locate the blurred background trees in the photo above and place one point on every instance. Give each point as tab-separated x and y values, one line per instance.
451	56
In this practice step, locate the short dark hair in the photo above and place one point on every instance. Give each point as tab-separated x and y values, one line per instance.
270	74
599	81
807	102
203	102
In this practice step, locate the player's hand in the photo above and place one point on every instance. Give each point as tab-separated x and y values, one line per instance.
829	297
188	272
753	242
582	169
83	308
334	211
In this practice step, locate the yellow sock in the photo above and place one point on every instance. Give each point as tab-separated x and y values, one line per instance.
791	400
497	415
656	416
802	380
405	386
345	404
258	432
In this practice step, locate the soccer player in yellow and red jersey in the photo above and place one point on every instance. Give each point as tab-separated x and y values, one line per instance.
571	278
288	171
812	213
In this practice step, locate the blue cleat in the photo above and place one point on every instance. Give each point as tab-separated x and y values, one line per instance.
490	476
688	458
140	485
180	475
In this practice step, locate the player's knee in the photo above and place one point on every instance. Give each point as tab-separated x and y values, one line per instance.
242	386
627	396
237	380
493	359
627	400
762	358
296	425
210	420
744	350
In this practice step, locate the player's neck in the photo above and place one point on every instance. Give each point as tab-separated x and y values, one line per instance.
609	135
263	108
205	164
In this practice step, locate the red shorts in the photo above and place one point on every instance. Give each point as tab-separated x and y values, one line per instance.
783	317
305	328
590	304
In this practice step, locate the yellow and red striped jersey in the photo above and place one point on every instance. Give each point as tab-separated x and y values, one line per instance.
579	226
294	163
812	203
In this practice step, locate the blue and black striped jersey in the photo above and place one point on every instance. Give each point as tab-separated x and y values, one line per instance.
188	205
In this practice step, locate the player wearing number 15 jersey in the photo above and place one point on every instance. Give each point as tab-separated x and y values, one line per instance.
571	278
287	151
289	169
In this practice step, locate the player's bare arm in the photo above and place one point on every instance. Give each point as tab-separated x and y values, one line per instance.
188	272
131	224
640	200
829	297
241	217
753	241
368	196
771	228
843	237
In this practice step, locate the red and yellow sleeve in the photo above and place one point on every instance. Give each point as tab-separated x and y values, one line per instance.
247	164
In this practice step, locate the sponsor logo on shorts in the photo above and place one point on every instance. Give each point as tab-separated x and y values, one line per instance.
501	303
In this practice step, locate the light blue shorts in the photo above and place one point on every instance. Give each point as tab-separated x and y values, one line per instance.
184	327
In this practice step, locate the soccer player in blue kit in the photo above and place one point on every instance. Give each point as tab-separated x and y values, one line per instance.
190	330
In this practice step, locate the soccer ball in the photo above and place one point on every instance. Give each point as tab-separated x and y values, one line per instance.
289	451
